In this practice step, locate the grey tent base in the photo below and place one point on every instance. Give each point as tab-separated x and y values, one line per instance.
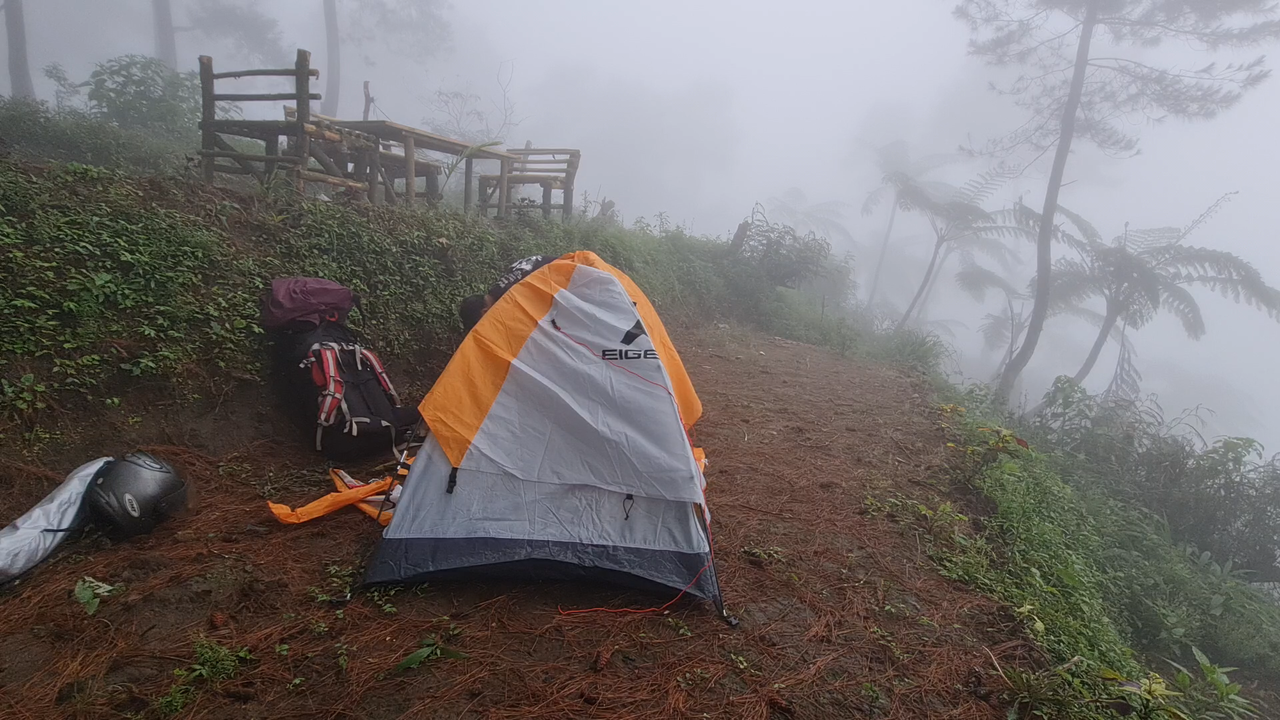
664	572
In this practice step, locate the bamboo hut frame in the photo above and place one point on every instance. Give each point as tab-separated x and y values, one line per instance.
361	156
308	139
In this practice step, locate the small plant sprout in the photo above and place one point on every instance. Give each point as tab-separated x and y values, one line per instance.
427	651
89	593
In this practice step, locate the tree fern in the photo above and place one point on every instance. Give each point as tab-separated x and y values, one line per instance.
1145	272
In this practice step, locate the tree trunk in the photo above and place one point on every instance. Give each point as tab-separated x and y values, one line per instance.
20	84
1044	241
1099	342
333	60
166	41
1115	373
928	273
933	282
1015	333
884	250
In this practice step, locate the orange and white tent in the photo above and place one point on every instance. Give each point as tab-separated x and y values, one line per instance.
559	446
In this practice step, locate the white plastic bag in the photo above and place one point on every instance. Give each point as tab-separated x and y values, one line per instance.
31	538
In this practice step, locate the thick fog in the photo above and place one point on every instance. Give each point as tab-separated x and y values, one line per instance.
700	109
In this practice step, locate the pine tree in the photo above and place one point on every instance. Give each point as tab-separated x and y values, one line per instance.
1084	74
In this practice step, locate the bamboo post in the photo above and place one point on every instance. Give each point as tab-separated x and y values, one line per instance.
432	182
466	185
368	100
273	149
571	172
208	113
302	145
410	170
375	175
546	200
360	171
503	190
325	161
388	189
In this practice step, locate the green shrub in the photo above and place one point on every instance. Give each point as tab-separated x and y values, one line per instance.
107	277
32	129
1097	578
137	92
1222	498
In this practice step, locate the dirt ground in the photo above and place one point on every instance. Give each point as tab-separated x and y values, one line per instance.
841	613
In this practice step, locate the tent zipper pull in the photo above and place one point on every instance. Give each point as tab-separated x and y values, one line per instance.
453	481
627	503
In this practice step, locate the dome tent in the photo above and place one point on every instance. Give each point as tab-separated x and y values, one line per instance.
559	446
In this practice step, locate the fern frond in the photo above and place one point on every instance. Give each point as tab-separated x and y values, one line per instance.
976	281
995	331
1093	317
875	197
981	188
1179	301
1072	282
989	246
1208	213
1149	238
1086	228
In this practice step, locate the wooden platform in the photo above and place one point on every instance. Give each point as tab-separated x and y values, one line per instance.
366	158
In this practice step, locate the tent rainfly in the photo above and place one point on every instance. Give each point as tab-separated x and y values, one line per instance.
559	447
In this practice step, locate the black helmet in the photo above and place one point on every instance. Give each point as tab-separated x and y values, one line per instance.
134	494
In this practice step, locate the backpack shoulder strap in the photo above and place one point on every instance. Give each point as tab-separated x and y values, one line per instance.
327	376
372	358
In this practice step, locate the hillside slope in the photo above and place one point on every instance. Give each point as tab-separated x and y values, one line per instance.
842	612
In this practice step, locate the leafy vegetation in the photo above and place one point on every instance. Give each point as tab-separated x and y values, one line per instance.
214	663
33	129
430	649
132	113
1099	584
1217	499
109	276
134	91
98	284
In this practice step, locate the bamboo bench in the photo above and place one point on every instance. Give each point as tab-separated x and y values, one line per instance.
551	169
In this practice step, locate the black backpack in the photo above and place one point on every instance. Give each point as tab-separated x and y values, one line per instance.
336	389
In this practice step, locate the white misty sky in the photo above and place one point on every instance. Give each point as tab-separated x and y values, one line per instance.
699	109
